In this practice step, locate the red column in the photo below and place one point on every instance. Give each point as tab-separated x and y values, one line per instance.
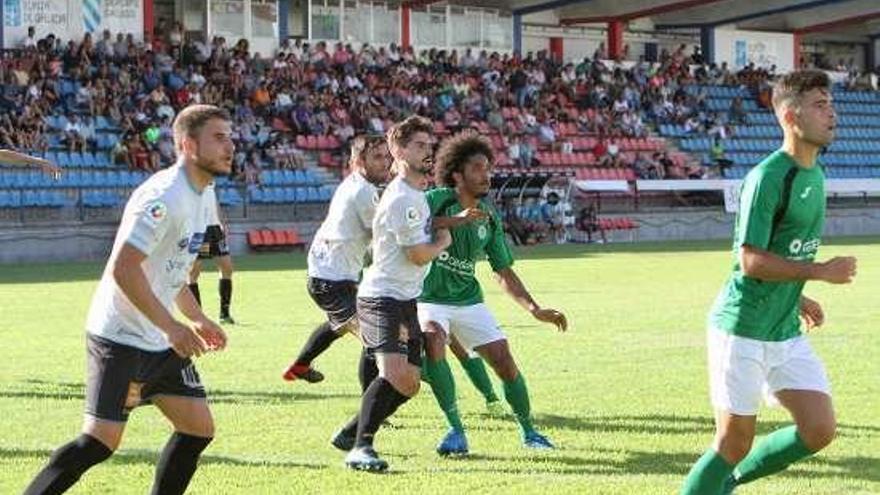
556	48
796	41
404	27
148	20
615	39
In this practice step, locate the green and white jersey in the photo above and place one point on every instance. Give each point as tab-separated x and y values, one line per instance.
782	210
451	277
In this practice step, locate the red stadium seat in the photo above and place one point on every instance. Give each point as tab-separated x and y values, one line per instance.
255	239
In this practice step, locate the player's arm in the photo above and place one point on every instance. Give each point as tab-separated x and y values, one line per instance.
210	331
129	276
769	267
10	157
759	202
514	287
461	218
424	253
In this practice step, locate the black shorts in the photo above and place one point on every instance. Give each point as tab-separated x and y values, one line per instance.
214	243
391	326
336	298
122	377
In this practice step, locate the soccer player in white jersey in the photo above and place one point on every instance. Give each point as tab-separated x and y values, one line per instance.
214	246
138	352
403	249
336	256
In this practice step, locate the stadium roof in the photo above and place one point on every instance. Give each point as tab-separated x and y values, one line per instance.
842	20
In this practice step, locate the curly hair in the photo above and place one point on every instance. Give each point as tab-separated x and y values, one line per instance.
455	151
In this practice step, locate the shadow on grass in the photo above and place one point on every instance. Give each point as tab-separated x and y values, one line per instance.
668	424
149	457
70	390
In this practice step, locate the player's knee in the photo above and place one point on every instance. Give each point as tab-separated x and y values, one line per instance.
435	345
733	447
818	435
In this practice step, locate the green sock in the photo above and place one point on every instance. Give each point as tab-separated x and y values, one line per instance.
443	385
476	371
707	476
517	395
772	454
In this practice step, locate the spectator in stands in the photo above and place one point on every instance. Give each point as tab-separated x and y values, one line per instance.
30	41
718	156
73	133
737	113
588	221
514	151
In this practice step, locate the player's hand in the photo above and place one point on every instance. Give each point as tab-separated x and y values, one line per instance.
471	214
811	312
185	341
838	270
48	168
442	238
548	315
211	333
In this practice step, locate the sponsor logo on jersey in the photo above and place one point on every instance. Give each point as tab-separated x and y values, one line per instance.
195	242
462	267
800	249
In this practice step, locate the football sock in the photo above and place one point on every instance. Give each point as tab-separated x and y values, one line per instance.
194	288
67	464
707	476
772	454
517	395
443	385
379	402
225	295
476	371
178	462
318	342
368	370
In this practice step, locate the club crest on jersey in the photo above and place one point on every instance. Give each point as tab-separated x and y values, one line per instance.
156	211
412	216
482	231
181	244
195	242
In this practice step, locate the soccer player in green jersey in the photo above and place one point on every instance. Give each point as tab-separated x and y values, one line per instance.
755	344
451	302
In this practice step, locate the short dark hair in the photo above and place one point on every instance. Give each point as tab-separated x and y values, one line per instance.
191	119
790	87
456	150
402	132
363	143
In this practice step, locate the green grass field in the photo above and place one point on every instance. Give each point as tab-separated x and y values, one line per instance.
623	393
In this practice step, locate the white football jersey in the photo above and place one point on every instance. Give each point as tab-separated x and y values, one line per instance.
212	216
338	248
165	220
403	219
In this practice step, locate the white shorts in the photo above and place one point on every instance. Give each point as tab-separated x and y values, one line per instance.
742	371
472	325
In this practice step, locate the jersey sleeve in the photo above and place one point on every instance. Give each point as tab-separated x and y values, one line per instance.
759	201
408	221
366	207
498	251
436	198
151	218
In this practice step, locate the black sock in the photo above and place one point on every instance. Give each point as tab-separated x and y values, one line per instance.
318	342
350	428
368	370
178	463
379	402
225	295
194	288
67	464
